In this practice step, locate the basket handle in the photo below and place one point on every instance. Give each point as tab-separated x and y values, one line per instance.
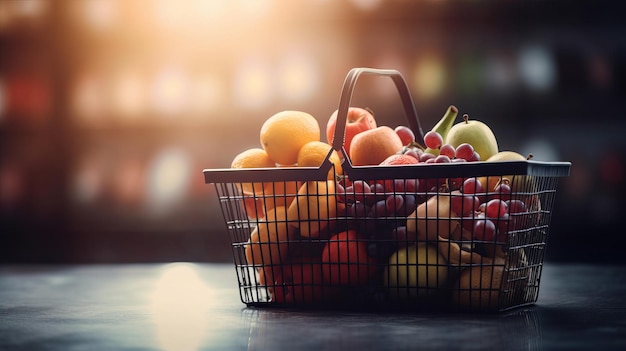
346	97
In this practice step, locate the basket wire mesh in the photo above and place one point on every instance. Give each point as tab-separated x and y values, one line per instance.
327	252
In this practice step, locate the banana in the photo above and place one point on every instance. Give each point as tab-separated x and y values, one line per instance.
444	125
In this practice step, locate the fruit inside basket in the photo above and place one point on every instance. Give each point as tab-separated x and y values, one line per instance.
382	218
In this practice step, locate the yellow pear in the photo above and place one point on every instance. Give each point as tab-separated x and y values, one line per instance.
269	240
433	218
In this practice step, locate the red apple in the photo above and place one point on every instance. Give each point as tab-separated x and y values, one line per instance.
359	120
300	283
345	261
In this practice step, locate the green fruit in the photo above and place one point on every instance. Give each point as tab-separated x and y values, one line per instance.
475	133
443	126
415	271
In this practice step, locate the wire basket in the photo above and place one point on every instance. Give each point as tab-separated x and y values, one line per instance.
307	238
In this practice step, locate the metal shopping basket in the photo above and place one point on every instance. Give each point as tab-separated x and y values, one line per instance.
336	252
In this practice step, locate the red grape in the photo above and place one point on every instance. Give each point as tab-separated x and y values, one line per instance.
503	223
503	192
447	150
465	151
496	208
516	206
475	157
517	211
484	229
340	192
433	140
406	134
394	203
464	205
442	159
425	156
410	204
358	210
379	209
361	190
414	152
481	207
472	186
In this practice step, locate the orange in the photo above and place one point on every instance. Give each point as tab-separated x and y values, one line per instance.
283	134
253	158
313	154
373	146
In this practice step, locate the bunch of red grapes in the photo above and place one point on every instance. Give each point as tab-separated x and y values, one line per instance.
381	206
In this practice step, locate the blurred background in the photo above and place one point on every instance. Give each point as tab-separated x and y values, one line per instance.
110	109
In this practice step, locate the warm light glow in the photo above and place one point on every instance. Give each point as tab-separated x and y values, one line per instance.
170	90
169	14
367	5
298	77
206	94
128	95
87	95
168	178
429	77
253	84
127	181
30	8
179	307
537	68
98	14
254	8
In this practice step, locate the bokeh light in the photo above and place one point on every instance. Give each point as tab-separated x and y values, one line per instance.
367	5
88	182
168	179
178	305
170	90
207	95
298	76
127	181
87	94
128	94
98	15
429	76
537	68
253	83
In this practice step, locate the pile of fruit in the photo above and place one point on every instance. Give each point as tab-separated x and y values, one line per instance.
341	239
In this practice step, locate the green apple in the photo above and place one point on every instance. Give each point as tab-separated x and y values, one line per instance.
475	133
415	271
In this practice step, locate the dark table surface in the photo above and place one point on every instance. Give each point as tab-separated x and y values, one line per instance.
184	306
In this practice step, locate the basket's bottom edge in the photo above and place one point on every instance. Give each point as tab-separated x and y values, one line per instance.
383	308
